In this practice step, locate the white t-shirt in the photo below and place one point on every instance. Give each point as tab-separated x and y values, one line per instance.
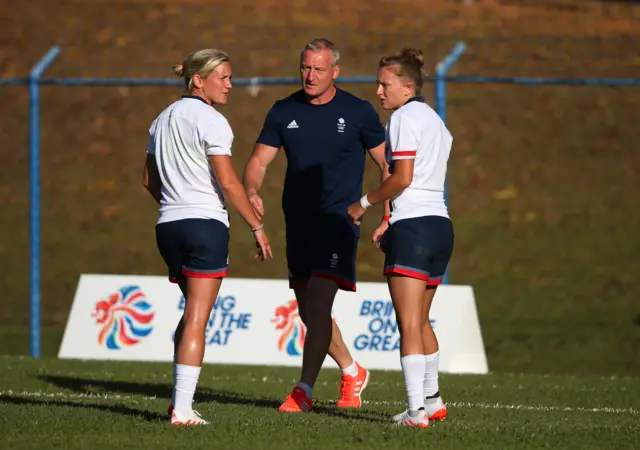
415	131
181	138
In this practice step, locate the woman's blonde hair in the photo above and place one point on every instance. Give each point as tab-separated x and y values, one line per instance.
201	62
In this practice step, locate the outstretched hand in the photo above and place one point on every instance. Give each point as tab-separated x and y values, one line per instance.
262	243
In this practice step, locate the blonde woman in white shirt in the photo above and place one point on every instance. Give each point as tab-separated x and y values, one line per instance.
418	237
189	173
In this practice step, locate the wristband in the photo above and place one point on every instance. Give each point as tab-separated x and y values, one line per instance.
253	230
364	202
386	218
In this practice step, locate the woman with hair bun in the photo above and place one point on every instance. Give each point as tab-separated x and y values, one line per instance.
418	236
188	172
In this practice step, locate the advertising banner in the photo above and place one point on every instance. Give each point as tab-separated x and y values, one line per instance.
256	321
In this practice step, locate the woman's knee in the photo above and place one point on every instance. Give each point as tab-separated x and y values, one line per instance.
195	318
410	329
318	318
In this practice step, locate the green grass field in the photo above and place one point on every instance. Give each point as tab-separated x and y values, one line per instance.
54	403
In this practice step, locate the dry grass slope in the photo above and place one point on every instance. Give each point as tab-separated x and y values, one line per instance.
542	179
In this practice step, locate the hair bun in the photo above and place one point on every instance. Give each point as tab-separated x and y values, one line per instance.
413	55
178	69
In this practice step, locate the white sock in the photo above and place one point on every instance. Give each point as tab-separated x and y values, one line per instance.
186	382
173	393
306	388
352	370
431	374
413	368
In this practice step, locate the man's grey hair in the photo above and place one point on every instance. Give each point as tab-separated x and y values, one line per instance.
320	43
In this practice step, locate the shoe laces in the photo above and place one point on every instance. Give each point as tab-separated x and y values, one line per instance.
346	386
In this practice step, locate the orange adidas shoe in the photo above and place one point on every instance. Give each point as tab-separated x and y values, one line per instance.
419	421
297	401
192	419
351	388
436	409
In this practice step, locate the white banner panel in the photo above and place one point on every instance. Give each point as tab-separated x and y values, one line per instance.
255	321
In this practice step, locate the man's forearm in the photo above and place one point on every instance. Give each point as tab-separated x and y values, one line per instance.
253	176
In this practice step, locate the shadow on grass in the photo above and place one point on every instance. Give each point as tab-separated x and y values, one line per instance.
163	391
116	409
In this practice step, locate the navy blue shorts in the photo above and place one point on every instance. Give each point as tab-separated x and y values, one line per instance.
419	247
324	248
197	248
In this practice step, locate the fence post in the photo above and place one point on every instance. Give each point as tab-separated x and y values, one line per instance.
34	197
442	68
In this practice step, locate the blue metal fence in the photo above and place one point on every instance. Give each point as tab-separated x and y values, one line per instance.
35	80
34	197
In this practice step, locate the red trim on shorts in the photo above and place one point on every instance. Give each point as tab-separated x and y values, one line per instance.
434	281
342	283
407	273
220	274
403	153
